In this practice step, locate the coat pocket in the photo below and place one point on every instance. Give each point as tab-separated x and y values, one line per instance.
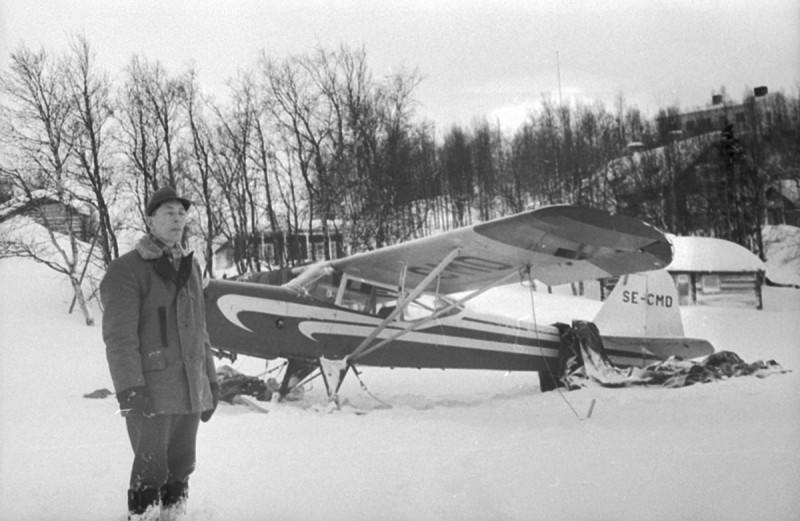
154	361
162	324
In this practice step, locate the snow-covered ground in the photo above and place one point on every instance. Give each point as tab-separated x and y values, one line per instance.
782	244
450	445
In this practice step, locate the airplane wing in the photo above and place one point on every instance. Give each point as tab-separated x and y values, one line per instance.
560	244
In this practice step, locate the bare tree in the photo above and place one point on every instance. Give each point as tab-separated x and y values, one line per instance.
38	129
89	90
518	181
301	126
235	177
264	158
345	161
456	164
203	155
484	149
150	102
393	176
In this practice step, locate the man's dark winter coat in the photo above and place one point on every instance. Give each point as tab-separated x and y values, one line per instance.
154	329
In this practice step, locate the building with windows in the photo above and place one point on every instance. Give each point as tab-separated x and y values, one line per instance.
722	113
711	271
282	248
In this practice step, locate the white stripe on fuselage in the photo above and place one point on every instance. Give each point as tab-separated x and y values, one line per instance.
340	322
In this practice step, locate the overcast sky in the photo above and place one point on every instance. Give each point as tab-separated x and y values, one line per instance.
477	58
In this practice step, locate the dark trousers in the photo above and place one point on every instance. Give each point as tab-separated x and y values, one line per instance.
163	448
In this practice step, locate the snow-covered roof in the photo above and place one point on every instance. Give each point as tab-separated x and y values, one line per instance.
20	202
790	188
712	254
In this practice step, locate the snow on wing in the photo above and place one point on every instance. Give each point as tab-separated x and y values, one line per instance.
561	244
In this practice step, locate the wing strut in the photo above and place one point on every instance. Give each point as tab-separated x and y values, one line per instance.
416	325
402	305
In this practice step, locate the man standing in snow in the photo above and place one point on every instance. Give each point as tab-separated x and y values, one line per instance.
159	356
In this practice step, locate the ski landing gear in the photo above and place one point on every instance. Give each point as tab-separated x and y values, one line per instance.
333	372
297	371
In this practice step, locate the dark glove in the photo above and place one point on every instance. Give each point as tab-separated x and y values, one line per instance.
135	401
206	415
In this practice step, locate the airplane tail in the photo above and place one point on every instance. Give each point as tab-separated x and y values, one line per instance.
640	322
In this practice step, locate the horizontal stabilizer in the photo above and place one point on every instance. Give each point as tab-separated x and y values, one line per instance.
649	349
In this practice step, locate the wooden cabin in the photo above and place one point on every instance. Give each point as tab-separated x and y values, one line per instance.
48	211
716	272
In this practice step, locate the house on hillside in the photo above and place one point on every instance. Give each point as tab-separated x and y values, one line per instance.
768	107
702	165
46	209
716	272
645	177
783	202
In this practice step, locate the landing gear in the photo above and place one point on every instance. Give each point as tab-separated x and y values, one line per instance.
297	370
333	372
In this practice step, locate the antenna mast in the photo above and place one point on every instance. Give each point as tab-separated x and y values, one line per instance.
558	70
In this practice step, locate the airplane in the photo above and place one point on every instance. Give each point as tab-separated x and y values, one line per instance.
405	305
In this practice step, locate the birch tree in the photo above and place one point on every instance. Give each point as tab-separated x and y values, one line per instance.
150	104
89	92
38	133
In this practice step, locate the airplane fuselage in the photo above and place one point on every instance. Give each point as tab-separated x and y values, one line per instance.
275	322
390	307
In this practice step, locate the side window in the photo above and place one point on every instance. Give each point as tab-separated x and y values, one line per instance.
368	298
358	296
418	310
381	301
319	250
711	284
683	283
385	301
267	251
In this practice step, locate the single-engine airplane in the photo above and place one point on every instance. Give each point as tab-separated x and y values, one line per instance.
395	306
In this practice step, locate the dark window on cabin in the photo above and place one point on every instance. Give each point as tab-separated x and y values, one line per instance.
297	248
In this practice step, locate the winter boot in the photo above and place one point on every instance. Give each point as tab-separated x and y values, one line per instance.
143	505
173	499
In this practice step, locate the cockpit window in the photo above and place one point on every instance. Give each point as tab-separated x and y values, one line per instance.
358	296
375	300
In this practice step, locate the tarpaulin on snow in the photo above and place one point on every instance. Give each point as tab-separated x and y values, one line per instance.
587	363
232	383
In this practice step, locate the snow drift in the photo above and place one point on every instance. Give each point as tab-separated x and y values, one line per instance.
439	445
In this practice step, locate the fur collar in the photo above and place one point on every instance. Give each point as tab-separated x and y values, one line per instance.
149	249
